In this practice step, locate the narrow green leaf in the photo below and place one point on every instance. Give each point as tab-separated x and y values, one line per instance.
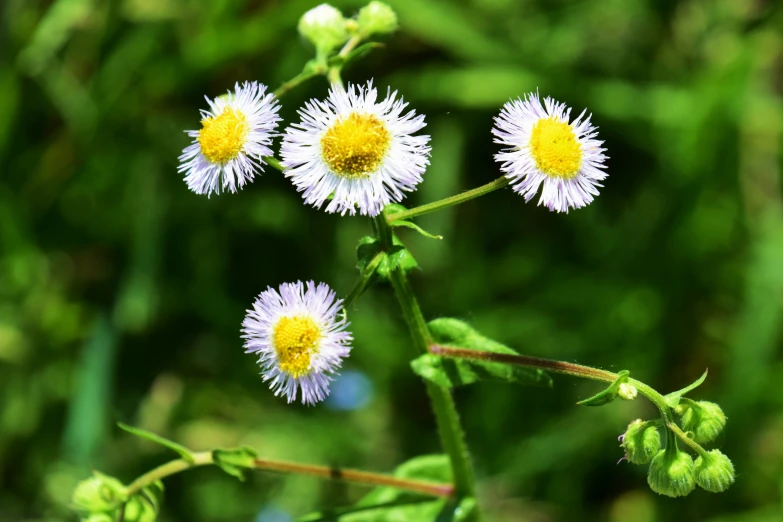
395	208
609	394
673	398
235	460
414	226
184	452
451	373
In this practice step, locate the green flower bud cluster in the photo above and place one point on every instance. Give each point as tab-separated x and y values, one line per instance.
327	29
673	472
101	498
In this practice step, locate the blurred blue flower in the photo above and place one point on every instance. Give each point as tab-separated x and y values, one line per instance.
350	391
271	513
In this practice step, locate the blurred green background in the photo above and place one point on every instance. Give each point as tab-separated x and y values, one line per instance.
122	293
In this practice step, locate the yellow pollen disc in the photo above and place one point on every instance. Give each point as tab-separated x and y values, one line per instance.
355	146
555	148
223	136
296	339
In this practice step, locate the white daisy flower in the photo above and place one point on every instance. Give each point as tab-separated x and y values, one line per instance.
544	148
234	137
358	151
300	337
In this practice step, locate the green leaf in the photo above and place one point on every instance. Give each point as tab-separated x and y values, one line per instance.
414	226
184	452
609	394
673	399
397	256
366	249
387	504
466	510
233	461
395	208
451	372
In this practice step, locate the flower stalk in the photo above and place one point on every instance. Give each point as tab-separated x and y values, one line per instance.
451	201
366	478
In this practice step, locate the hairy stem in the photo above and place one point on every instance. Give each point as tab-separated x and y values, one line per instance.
346	475
444	409
575	370
450	201
566	368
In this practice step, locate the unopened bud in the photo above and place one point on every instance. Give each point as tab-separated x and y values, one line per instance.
99	494
324	26
627	391
99	517
714	472
377	18
704	419
671	473
138	509
641	442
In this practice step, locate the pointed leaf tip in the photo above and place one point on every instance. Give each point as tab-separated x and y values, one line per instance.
183	452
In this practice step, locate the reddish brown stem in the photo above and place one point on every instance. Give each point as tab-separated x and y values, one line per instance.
576	370
356	476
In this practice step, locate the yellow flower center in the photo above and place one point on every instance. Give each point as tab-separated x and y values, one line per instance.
355	146
222	137
555	148
296	339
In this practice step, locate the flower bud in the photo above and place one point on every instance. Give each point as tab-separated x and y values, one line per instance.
641	442
714	472
377	18
704	419
627	391
671	473
139	509
98	494
324	26
99	517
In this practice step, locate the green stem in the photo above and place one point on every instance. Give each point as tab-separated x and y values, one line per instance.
687	440
444	409
333	75
364	279
450	201
346	475
273	162
296	80
173	467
